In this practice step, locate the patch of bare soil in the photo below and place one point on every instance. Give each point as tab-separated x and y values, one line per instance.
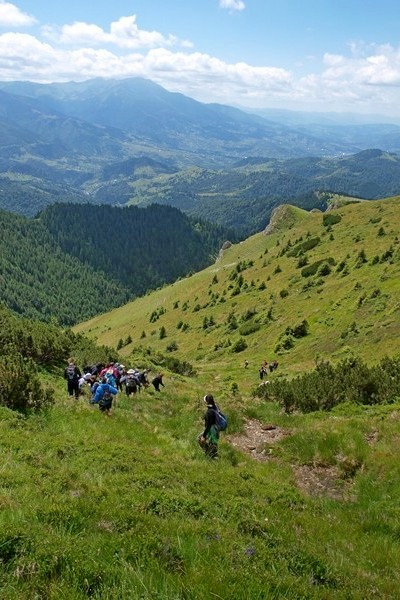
318	481
257	439
321	481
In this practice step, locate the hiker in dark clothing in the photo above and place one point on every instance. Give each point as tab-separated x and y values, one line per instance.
131	382
72	374
157	381
208	440
142	379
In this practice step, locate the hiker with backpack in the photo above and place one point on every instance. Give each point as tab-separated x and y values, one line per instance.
157	381
72	374
131	382
214	422
94	384
104	396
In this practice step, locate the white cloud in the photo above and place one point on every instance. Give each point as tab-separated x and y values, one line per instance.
123	33
232	4
379	67
11	16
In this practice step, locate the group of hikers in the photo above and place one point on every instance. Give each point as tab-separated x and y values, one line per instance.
265	366
106	380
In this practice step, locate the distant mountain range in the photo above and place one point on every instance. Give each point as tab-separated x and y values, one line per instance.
131	141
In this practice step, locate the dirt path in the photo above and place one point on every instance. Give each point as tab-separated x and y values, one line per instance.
257	441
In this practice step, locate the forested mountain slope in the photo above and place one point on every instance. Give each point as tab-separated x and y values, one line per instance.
41	281
75	261
138	248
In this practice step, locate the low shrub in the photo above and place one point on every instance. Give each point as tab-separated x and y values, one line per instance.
181	367
330	219
20	388
239	345
308	244
313	268
248	328
172	347
325	387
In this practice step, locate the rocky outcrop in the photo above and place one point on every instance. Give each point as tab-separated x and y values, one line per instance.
282	217
224	247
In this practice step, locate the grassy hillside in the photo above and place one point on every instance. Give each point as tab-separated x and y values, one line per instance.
338	271
128	508
297	506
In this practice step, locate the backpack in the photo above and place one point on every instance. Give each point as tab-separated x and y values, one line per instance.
106	400
131	383
221	420
106	397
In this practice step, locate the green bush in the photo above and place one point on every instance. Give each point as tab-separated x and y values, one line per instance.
239	346
313	268
248	328
303	247
20	388
181	367
330	219
325	387
298	331
172	347
302	262
324	270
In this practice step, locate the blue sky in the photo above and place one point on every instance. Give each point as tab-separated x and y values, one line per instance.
325	55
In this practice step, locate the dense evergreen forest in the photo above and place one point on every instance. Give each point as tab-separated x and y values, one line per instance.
138	248
75	261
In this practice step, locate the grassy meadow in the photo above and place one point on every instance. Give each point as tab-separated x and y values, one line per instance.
298	506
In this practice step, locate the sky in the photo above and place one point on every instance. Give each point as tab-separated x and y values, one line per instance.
307	55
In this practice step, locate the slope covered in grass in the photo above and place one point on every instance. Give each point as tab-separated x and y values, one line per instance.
127	507
318	285
297	505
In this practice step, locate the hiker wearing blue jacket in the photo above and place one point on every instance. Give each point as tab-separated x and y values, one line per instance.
104	396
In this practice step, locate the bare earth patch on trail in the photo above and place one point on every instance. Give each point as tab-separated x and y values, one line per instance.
321	481
257	441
